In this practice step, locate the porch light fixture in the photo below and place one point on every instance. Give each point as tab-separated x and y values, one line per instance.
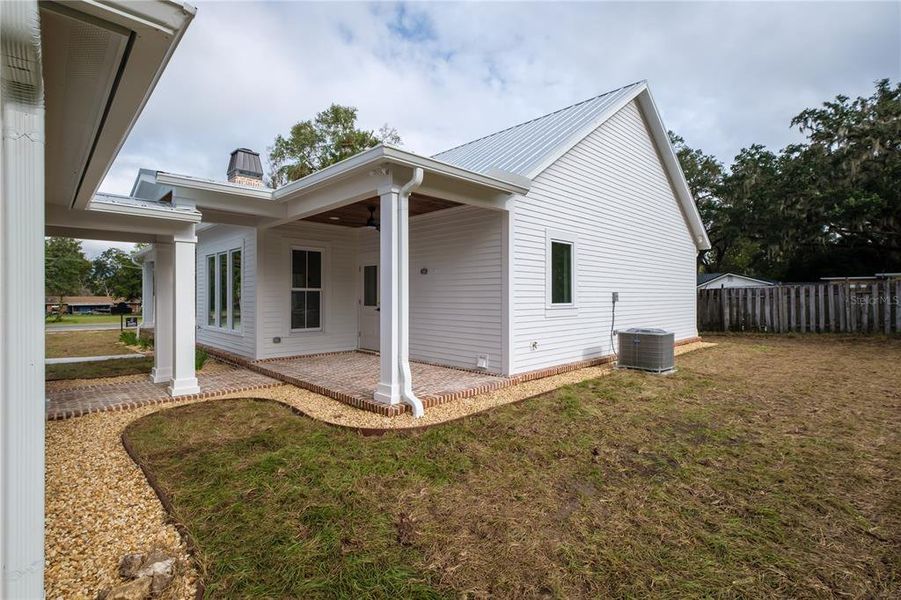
371	223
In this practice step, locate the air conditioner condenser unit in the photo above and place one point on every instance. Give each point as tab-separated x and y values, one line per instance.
646	350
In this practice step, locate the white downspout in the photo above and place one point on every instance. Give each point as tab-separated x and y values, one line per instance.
406	380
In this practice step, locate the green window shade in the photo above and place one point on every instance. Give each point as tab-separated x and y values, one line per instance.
561	273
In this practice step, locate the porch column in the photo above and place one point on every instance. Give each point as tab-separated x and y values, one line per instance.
147	293
21	304
184	312
388	390
165	303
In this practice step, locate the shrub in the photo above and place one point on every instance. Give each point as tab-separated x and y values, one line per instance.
145	342
200	358
129	338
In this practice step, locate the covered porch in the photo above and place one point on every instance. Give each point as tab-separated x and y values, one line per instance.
331	267
351	377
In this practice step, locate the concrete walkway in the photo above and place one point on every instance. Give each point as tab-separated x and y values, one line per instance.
84	359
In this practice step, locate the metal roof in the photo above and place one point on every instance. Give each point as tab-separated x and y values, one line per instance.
522	148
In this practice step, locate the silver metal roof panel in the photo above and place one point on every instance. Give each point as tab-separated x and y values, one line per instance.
522	148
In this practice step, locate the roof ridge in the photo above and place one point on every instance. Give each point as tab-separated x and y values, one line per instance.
554	112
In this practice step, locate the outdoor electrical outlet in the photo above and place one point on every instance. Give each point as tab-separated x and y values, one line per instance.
616	296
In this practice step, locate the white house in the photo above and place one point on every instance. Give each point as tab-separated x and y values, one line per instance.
503	254
708	281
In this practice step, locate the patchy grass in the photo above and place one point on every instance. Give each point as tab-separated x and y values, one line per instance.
64	344
93	370
767	466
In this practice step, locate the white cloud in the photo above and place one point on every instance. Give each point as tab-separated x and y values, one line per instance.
724	75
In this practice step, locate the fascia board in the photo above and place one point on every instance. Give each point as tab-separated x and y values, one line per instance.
169	214
220	187
674	169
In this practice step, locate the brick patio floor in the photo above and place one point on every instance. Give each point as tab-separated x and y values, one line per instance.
352	377
75	402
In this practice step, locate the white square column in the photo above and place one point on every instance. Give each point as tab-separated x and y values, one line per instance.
147	300
22	416
388	390
165	302
184	315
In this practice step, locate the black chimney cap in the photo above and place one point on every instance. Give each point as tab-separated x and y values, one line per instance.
246	162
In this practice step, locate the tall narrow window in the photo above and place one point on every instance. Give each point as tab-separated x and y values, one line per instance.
223	290
370	285
236	288
561	272
306	289
211	290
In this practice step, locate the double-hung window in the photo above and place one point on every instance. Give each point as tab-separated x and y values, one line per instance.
306	289
223	289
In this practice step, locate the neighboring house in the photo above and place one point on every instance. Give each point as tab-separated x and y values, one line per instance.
85	305
502	254
707	281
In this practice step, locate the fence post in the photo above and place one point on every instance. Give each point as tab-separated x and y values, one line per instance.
832	319
725	308
898	307
821	290
852	310
784	322
791	309
812	291
802	309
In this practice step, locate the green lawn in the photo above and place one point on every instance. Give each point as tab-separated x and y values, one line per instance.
63	344
768	466
93	370
83	320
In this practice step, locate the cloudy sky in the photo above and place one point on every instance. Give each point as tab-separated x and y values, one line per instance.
724	75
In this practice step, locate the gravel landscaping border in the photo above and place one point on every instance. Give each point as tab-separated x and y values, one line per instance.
101	506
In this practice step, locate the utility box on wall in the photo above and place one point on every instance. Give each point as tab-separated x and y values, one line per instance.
646	350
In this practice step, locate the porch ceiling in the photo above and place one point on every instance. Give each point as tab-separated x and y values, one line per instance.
356	214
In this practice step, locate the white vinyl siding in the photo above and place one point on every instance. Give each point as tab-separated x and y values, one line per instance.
337	330
611	194
456	305
237	333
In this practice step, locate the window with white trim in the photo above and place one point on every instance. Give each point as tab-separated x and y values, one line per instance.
306	289
223	289
561	272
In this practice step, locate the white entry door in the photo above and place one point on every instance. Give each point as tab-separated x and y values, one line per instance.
369	306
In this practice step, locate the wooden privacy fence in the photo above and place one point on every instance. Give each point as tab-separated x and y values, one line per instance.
870	308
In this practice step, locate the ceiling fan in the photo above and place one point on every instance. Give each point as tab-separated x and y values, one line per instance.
371	222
